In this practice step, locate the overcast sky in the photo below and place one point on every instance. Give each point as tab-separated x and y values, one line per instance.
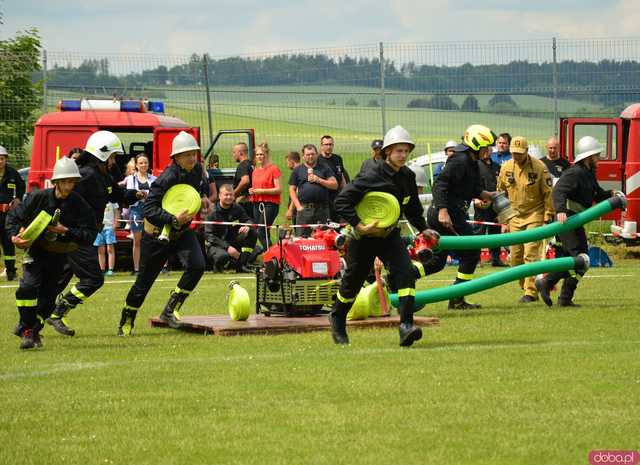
228	27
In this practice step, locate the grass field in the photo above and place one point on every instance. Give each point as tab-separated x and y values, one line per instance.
506	384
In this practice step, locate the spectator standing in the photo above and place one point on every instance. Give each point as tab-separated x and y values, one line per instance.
293	160
527	184
376	154
334	161
106	239
265	192
554	163
242	178
139	181
502	153
12	189
310	187
227	244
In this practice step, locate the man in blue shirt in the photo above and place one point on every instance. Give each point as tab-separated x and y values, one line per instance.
502	153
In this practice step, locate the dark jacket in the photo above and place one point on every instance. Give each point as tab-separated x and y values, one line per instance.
458	183
556	167
99	188
382	178
489	180
172	175
11	185
219	235
75	213
578	185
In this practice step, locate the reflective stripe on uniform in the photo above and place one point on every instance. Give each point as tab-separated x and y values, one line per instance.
420	267
407	291
464	276
345	300
246	249
26	302
77	293
177	290
9	257
129	307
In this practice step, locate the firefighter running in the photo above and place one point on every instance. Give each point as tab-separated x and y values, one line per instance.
392	177
575	191
97	187
45	257
11	192
182	242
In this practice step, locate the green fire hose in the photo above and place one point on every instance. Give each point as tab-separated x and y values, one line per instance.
580	263
531	235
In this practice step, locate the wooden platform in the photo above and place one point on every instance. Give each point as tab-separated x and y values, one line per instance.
222	325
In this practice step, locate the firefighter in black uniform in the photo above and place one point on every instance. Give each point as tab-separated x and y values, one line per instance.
97	187
575	191
393	177
225	243
47	255
459	183
182	242
11	192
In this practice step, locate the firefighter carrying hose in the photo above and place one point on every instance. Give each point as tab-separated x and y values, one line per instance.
390	176
11	192
575	191
97	187
182	241
47	255
456	186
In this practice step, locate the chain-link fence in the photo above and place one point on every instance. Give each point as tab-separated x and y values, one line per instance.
354	93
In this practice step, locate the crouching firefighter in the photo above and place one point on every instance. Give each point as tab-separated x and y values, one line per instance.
182	241
97	187
391	176
575	191
73	223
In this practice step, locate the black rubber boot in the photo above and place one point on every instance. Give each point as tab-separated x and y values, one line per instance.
460	304
544	290
338	321
57	319
409	332
566	293
127	320
30	339
170	313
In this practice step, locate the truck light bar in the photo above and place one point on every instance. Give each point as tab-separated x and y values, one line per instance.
135	106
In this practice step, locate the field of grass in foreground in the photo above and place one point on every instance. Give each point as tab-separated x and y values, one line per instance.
505	384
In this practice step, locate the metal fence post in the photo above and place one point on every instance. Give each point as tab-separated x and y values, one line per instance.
44	81
556	120
205	65
383	105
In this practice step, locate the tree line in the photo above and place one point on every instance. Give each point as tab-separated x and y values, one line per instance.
608	81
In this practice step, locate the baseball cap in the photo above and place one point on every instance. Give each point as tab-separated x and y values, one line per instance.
519	145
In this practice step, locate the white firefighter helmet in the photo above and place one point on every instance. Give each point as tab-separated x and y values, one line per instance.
103	144
421	175
183	142
397	135
586	147
450	144
65	168
3	151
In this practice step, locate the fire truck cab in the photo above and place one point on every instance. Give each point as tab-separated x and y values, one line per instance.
141	125
619	166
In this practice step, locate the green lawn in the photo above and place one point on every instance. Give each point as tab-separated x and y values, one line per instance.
505	384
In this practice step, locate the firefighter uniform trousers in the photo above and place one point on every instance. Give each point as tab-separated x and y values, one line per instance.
526	253
573	243
361	254
83	262
154	254
36	294
468	259
8	249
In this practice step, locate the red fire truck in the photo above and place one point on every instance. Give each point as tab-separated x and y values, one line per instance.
619	166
